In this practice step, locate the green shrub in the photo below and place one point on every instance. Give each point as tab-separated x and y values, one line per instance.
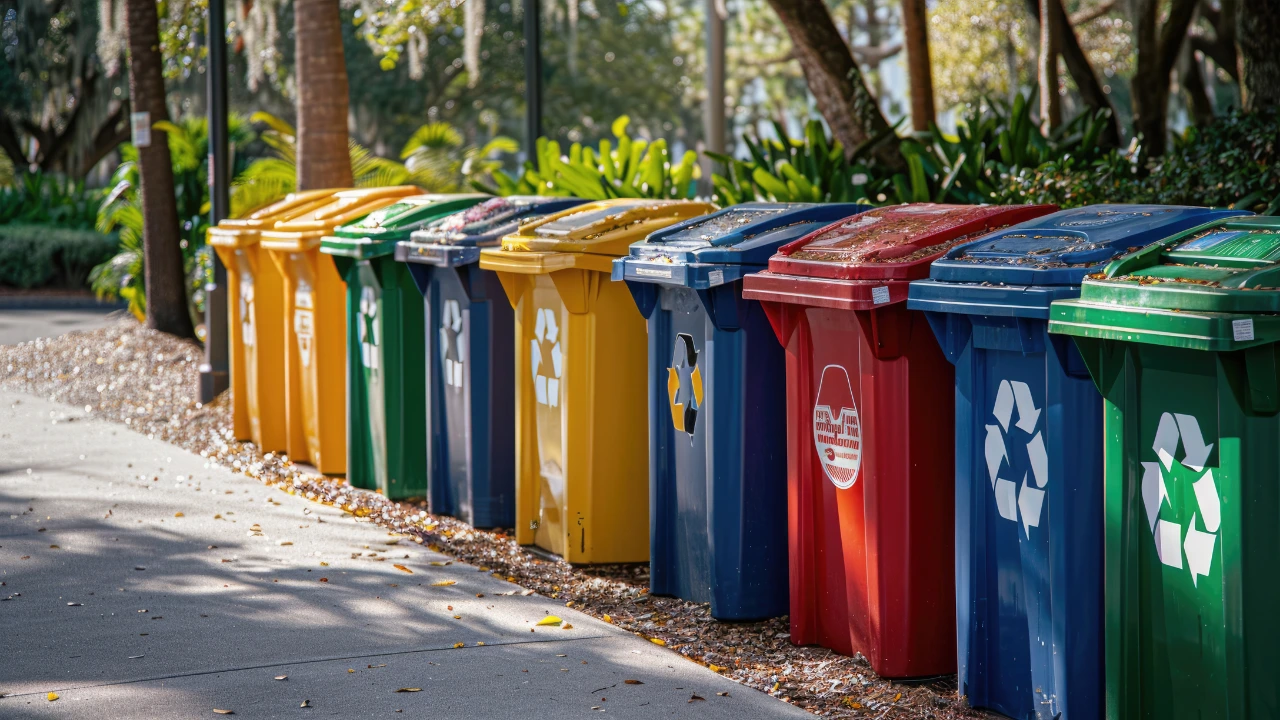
39	199
40	256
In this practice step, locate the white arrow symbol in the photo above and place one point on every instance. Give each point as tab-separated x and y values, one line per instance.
540	326
1199	547
1039	460
995	452
535	355
1004	404
1153	491
1193	447
1030	501
1168	536
1166	443
552	330
1007	499
1027	412
1207	498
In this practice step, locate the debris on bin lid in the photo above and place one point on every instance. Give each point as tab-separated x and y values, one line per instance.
895	242
409	211
490	220
601	227
1059	249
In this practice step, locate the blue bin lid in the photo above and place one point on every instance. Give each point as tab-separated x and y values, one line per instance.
456	239
713	249
1021	269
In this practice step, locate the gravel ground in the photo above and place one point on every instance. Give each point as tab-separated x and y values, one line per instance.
148	381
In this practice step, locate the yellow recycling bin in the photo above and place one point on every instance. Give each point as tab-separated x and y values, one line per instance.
582	427
315	325
255	319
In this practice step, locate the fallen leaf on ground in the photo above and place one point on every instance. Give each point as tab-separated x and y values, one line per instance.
54	547
74	604
897	697
437	563
282	677
658	641
723	694
53	696
550	620
608	619
458	645
378	666
402	568
716	668
324	579
409	690
443	583
567	626
633	682
224	712
305	703
696	698
178	514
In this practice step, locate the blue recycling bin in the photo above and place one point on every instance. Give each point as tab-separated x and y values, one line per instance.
470	354
717	406
1029	479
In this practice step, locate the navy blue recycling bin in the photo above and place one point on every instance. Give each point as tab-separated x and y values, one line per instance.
717	406
470	354
1029	478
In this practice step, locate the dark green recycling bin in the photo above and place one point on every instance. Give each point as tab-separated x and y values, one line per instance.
1183	340
386	394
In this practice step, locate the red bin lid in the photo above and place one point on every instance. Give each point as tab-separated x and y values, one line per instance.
894	243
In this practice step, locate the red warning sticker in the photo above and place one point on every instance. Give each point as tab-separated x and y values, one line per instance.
837	432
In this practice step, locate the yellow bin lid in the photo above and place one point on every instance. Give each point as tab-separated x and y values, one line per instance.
587	236
243	232
303	231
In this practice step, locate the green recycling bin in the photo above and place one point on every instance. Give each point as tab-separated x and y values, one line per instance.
1183	341
386	391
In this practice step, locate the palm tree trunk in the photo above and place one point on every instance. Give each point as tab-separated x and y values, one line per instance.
835	80
915	30
162	252
1259	43
1050	101
323	160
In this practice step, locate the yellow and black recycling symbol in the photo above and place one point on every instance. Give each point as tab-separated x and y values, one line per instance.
684	385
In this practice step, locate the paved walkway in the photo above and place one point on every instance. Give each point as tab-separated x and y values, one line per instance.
24	324
137	583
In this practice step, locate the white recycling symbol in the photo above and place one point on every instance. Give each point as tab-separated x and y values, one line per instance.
246	308
546	387
1169	539
368	328
1014	498
452	336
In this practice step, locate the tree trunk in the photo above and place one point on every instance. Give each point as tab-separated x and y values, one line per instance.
1073	56
835	80
323	159
1192	82
1050	31
165	278
1258	38
915	30
1157	52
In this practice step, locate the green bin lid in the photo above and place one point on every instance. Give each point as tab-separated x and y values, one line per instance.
1214	287
378	232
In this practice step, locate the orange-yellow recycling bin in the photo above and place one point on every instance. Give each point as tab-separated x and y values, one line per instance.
582	422
255	319
315	325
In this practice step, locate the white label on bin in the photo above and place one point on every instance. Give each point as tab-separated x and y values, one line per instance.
651	272
837	431
880	295
715	277
1242	329
1018	478
1200	539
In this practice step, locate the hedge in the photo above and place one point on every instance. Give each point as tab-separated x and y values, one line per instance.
43	256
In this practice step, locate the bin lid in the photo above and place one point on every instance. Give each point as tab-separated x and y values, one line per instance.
894	243
487	223
1213	275
377	233
714	249
240	232
1061	248
304	231
587	236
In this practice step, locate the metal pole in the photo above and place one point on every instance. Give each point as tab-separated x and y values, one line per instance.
215	371
713	111
532	75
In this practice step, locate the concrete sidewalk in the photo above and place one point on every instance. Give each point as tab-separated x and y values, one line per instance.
137	583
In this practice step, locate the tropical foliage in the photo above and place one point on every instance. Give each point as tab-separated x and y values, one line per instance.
631	168
38	198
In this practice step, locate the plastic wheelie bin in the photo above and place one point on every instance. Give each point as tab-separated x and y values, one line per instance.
869	432
582	470
717	415
1028	450
1183	341
470	356
315	325
386	395
255	319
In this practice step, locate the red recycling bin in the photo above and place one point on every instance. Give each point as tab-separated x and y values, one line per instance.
870	434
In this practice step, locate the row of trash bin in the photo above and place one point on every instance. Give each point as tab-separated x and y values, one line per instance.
932	434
